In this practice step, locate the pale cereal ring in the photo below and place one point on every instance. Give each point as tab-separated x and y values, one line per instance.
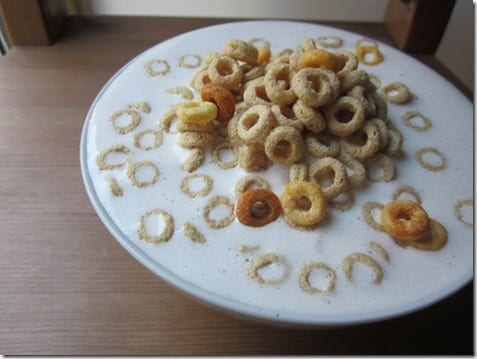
194	160
310	117
249	182
141	106
115	189
322	145
329	169
277	83
284	145
361	94
357	177
255	124
167	118
190	61
329	41
397	93
217	155
343	204
363	143
352	259
165	234
200	79
348	62
101	158
409	190
427	165
345	116
458	211
191	139
410	117
384	166
185	92
383	131
381	106
263	261
134	121
367	209
241	51
132	173
312	86
157	139
393	148
379	250
254	93
222	98
286	116
252	157
305	273
201	192
232	130
306	44
193	233
304	203
211	205
225	71
252	72
363	41
163	65
434	239
404	220
197	111
183	126
369	55
355	78
298	172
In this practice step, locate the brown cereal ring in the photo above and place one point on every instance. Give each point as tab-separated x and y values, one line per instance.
320	58
409	190
163	70
277	83
458	211
304	203
252	157
357	178
135	120
367	209
298	172
284	145
191	139
382	162
363	143
322	145
246	183
165	234
197	111
241	51
222	98
157	140
304	277
261	262
352	259
201	192
200	79
132	170
286	116
393	148
347	63
225	71
213	203
313	87
434	239
397	93
404	220
329	168
427	165
254	93
310	117
255	124
101	158
258	207
217	155
409	118
369	55
194	160
345	116
329	41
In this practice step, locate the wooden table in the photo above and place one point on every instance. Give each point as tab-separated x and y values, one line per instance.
67	287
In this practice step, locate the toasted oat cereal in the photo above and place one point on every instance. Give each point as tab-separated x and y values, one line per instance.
458	211
397	93
132	174
194	160
115	189
409	190
380	251
217	155
134	121
101	158
157	67
411	119
190	61
141	106
441	161
367	210
140	135
249	182
164	235
261	262
221	222
185	92
305	273
193	233
362	258
204	191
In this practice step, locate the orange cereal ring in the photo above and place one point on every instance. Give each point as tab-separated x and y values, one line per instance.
320	58
304	203
258	207
224	71
241	50
284	145
404	220
345	116
222	98
278	84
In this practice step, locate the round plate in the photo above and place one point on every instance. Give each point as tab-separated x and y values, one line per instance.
215	268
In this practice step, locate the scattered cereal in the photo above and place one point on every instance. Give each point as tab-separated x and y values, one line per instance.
166	232
216	202
434	167
190	61
132	173
417	121
264	261
352	259
193	234
135	119
101	158
202	191
138	138
157	67
305	273
115	189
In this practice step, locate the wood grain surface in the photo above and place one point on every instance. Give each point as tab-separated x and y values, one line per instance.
68	288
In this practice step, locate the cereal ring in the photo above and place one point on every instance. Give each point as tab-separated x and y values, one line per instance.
286	116
211	205
329	41
312	86
115	189
277	83
255	124
232	130
258	207
166	232
132	174
157	140
201	192
363	143
345	116
304	203
347	63
222	98
379	250
362	258
252	72
141	106
254	93
321	145
355	78
298	172
193	233
427	165
182	126
241	50
196	112
329	168
135	120
191	139
393	148
200	79
410	116
433	240
305	273
397	93
381	106
284	145
320	58
101	158
404	220
225	71
360	93
252	157
458	211
368	216
263	261
167	118
217	156
194	160
264	54
409	190
259	42
190	61
185	92
310	117
369	55
164	67
358	176
380	168
246	183
343	202
383	131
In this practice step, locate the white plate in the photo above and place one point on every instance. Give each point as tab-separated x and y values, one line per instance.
216	271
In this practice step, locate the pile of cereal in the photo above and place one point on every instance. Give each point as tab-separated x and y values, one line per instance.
311	109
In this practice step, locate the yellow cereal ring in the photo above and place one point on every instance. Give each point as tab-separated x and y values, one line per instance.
320	58
197	112
369	55
304	203
264	54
